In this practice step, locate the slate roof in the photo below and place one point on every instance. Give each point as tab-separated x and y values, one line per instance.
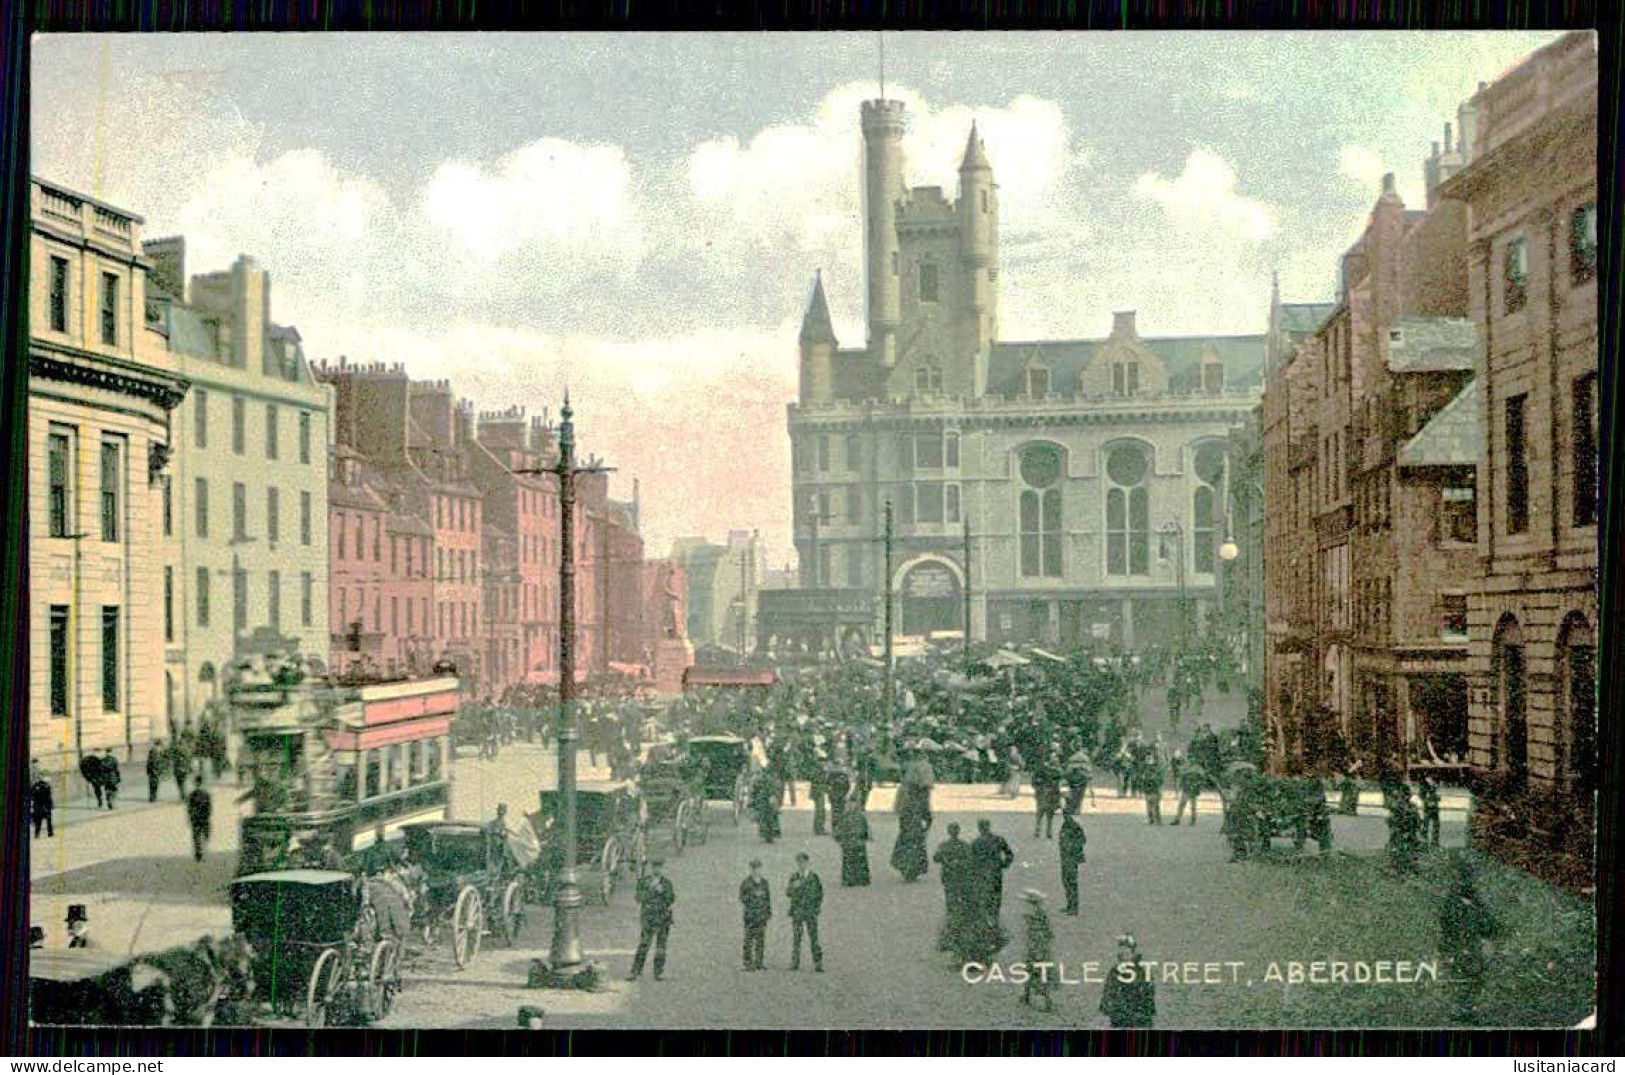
1454	436
190	333
1432	344
1304	318
1243	358
816	325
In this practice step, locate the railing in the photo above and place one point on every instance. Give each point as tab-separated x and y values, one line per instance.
113	224
58	205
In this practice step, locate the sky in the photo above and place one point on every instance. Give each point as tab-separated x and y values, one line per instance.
639	216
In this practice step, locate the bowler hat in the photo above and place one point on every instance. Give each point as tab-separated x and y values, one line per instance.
76	913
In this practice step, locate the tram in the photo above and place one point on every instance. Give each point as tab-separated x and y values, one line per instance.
337	769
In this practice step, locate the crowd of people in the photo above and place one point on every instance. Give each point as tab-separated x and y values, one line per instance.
1043	722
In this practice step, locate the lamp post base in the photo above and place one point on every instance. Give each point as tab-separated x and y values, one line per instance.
586	976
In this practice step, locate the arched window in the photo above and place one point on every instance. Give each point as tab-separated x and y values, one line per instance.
1128	511
1510	745
1041	468
1205	505
1577	703
928	377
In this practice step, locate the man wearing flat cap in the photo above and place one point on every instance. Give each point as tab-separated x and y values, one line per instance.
756	897
656	894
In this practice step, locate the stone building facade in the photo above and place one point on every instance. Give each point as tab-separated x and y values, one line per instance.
723	592
1370	442
1091	473
102	391
1532	620
249	535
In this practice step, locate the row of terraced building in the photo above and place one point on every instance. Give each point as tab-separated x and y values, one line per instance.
1431	477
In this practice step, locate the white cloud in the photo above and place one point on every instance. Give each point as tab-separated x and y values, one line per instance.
1363	166
315	228
551	193
1205	195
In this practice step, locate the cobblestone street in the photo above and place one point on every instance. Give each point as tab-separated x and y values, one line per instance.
1173	887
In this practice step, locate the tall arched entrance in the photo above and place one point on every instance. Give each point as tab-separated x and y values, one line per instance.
930	597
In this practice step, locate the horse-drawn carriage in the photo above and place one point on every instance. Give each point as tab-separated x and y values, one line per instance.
725	762
318	952
610	835
470	882
674	800
200	984
1259	807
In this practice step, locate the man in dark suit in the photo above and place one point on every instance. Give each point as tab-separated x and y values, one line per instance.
655	898
756	897
1072	841
806	894
111	778
991	855
958	872
157	760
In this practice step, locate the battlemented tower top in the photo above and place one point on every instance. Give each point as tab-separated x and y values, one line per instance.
883	114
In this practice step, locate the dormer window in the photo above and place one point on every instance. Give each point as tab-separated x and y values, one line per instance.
1213	378
1037	381
928	378
928	282
1125	378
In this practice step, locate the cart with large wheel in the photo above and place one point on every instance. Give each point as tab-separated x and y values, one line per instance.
318	955
725	762
610	837
470	884
674	801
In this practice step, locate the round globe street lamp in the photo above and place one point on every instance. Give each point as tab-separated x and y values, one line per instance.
1229	551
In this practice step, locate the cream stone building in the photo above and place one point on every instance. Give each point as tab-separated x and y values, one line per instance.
1091	473
101	392
248	535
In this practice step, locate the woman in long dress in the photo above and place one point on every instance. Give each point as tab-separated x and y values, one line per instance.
852	833
909	856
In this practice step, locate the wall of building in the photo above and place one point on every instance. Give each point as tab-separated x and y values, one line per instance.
95	391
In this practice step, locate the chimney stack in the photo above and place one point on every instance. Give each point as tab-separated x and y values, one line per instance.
1123	324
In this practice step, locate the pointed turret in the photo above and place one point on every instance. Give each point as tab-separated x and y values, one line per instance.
816	326
818	346
979	242
975	153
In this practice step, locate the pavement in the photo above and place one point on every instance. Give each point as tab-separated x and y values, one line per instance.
1173	887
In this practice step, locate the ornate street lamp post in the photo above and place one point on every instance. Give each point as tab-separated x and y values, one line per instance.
566	965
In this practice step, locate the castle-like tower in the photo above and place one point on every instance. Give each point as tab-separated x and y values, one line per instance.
931	267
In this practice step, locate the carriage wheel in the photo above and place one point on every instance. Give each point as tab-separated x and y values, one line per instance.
383	979
609	867
467	926
679	827
513	913
326	978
